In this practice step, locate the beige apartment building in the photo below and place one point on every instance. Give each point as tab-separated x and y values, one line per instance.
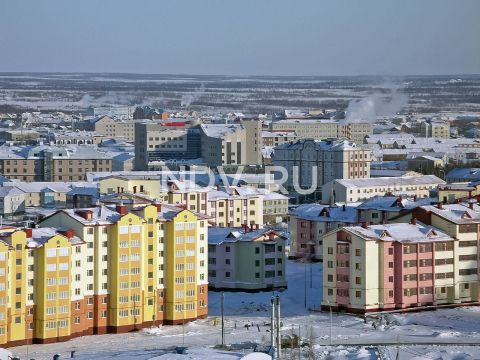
105	125
52	163
353	190
323	129
231	144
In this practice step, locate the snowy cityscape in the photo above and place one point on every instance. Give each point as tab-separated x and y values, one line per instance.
219	180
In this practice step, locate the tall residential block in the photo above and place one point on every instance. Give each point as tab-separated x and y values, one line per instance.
98	270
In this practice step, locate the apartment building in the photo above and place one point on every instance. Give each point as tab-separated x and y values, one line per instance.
246	259
155	142
332	159
110	127
271	138
74	137
308	224
398	266
52	163
353	190
386	209
275	206
320	129
231	144
235	206
435	128
97	270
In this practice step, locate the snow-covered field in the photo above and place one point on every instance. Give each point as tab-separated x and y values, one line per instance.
424	335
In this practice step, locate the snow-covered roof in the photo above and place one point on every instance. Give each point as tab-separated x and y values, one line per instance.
400	232
220	130
41	235
464	173
101	215
325	145
457	213
393	203
218	235
391	181
326	213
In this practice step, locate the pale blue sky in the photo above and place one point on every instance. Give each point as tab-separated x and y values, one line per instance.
241	37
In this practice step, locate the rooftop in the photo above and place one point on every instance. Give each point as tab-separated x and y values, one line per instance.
402	232
391	181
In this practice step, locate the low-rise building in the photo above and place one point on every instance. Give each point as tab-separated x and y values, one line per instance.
246	259
453	192
353	190
12	201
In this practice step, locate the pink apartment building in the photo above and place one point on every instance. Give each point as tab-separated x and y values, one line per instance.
397	266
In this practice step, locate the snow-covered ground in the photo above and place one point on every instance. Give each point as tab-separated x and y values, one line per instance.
424	335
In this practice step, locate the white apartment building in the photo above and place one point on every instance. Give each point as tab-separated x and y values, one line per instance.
353	190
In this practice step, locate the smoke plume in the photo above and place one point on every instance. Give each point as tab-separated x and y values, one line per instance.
377	104
187	99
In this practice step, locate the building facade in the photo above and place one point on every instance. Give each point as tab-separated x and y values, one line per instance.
399	266
97	270
246	259
332	159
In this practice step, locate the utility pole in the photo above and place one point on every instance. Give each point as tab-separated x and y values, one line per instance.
279	338
305	287
223	323
298	343
311	275
272	326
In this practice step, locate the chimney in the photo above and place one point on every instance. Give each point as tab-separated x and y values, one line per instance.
245	228
344	208
121	209
118	189
86	214
230	224
440	205
251	227
365	225
257	226
28	232
470	205
414	198
414	221
68	233
158	206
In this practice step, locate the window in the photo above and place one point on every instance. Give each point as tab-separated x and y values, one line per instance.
358	280
257	250
467	243
425	262
410	277
467	271
358	252
410	263
358	294
444	261
444	246
426	276
410	292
